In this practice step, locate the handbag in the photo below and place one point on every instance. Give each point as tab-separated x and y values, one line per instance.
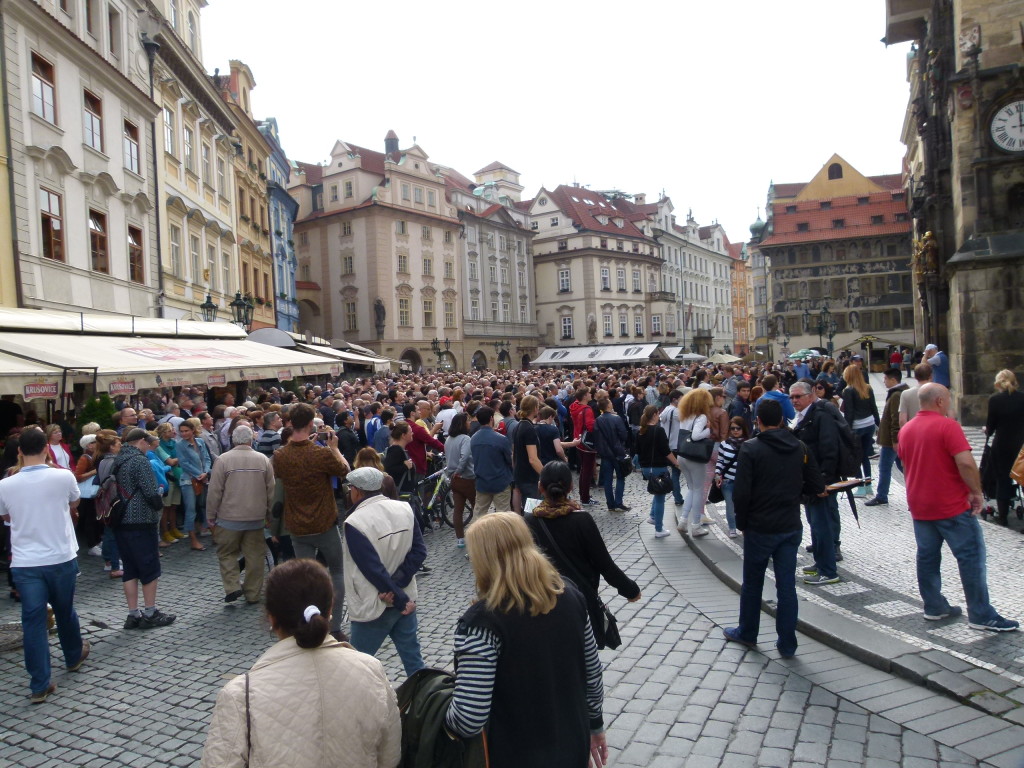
607	634
695	450
197	486
1017	472
88	488
715	494
660	484
625	466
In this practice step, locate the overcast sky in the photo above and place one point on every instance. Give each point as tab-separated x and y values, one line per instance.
708	101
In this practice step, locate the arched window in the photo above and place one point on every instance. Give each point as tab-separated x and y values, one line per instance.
835	171
193	33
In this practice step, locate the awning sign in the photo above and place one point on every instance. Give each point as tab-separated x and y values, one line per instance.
335	370
244	375
216	380
122	387
173	381
285	375
40	388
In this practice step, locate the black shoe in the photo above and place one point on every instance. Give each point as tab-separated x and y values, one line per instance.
875	502
132	622
158	619
625	507
232	596
424	571
809	549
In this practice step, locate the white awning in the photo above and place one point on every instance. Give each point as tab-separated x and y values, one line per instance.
672	351
31	379
12	319
603	355
126	364
375	363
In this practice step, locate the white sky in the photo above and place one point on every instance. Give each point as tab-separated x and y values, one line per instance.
708	100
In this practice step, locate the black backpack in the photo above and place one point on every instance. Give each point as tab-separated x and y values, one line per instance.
423	701
849	465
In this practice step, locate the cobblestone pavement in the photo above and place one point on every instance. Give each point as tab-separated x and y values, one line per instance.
879	577
676	693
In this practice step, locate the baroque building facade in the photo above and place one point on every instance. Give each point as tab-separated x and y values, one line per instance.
79	114
838	249
283	209
964	134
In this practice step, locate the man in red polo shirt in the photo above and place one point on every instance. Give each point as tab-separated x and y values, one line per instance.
944	496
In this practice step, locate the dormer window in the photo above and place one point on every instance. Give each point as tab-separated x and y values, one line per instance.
803	226
790	209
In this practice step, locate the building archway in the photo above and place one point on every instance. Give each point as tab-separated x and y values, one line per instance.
479	360
447	362
412	357
526	362
504	360
310	318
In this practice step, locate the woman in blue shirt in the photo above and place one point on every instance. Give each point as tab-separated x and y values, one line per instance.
194	460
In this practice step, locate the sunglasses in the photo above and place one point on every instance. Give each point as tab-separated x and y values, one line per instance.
735	429
796	397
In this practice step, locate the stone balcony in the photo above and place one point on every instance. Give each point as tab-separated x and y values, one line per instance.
662	296
499	330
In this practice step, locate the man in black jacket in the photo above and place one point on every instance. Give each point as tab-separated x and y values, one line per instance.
774	470
818	428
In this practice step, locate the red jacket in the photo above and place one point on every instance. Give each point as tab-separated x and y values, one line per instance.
417	448
582	419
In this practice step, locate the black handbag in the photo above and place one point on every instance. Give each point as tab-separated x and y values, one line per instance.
695	450
607	634
658	485
715	494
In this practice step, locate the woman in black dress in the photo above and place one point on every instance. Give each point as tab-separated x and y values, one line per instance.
1005	424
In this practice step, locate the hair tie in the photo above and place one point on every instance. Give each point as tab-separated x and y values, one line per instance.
310	612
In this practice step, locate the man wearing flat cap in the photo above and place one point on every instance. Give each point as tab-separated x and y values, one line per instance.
383	550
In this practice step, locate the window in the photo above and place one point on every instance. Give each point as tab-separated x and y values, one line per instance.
210	275
169	143
207	165
174	14
564	285
448	236
351	316
193	242
225	262
472	270
567	327
563	245
637	287
449	314
506	313
304	238
606	279
431	198
93	121
449	270
474	309
534	226
638	325
348	189
131	147
619	245
136	264
428	313
623	324
189	144
401	228
405	191
428	266
494	311
403	263
901	217
304	271
504	275
425	233
604	242
90	17
803	226
554	221
493	271
221	171
607	323
522	278
114	32
347	264
98	242
862	201
193	33
175	237
522	314
417	194
346	228
835	171
838	223
620	279
826	205
52	225
404	314
877	219
43	103
790	209
656	324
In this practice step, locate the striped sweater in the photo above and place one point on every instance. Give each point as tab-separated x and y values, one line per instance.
727	455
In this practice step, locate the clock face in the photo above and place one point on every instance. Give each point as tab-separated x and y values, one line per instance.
1008	126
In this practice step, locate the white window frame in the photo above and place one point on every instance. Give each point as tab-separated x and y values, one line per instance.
564	281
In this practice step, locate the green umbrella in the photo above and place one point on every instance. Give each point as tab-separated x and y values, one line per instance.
802	354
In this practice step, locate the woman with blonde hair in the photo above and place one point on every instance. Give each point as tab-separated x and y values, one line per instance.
526	660
694	416
195	463
861	414
167	451
1005	424
57	450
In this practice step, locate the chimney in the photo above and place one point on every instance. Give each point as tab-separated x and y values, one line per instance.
640	198
391	144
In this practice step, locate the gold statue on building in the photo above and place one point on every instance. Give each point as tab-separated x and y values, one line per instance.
926	257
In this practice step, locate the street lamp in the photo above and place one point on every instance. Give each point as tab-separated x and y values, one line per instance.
435	345
824	316
241	311
831	330
209	310
501	350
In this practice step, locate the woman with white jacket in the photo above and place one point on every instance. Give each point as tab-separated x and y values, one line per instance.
694	415
309	701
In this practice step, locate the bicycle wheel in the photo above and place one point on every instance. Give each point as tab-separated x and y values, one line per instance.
448	508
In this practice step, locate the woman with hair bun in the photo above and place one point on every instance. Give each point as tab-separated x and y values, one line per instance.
582	552
309	700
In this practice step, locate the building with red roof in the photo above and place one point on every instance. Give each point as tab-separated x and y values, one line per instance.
839	252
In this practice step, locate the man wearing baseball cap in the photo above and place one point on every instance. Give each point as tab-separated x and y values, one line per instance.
939	363
858	360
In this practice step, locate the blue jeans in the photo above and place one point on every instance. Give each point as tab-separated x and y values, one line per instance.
821	515
109	548
866	436
885	462
610	468
677	489
39	585
730	511
781	548
657	502
195	508
963	535
368	636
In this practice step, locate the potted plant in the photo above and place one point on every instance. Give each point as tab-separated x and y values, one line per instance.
278	233
244	218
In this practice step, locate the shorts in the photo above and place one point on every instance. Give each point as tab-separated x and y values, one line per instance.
173	496
140	554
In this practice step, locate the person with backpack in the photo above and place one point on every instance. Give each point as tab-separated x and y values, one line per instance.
669	421
583	421
136	524
108	445
816	427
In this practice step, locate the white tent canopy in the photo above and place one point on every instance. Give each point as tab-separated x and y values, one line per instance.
603	355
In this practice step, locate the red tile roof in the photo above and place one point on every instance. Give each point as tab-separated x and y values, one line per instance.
856	219
495	166
572	201
846	233
314	173
369	159
305	285
735	251
453	178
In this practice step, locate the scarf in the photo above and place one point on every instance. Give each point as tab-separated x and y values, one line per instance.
551	509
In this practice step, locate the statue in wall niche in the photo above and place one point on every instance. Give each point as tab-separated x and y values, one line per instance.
379	315
926	257
592	328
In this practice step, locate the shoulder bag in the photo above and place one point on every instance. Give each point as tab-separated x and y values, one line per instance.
606	635
660	484
694	450
715	494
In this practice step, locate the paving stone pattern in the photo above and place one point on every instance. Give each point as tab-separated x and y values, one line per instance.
676	693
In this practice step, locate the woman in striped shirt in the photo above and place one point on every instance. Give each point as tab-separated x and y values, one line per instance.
526	662
725	469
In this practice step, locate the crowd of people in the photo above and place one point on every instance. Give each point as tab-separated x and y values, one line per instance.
311	484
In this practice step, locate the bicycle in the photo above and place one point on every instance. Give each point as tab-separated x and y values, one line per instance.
441	504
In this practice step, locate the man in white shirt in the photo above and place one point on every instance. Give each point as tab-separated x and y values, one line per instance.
37	502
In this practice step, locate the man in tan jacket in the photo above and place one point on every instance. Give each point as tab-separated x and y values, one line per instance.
237	506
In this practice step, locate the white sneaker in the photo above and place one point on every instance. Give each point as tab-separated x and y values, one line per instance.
650	521
733	533
705	520
699	531
661	534
96	551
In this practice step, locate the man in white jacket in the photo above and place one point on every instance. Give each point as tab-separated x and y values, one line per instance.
383	550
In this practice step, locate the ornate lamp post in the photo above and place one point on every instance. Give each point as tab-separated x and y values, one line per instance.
209	310
241	312
831	330
436	345
823	318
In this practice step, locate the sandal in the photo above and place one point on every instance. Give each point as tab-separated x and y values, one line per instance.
116	574
200	548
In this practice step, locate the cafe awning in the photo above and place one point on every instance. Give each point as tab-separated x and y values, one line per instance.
31	379
127	364
603	355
